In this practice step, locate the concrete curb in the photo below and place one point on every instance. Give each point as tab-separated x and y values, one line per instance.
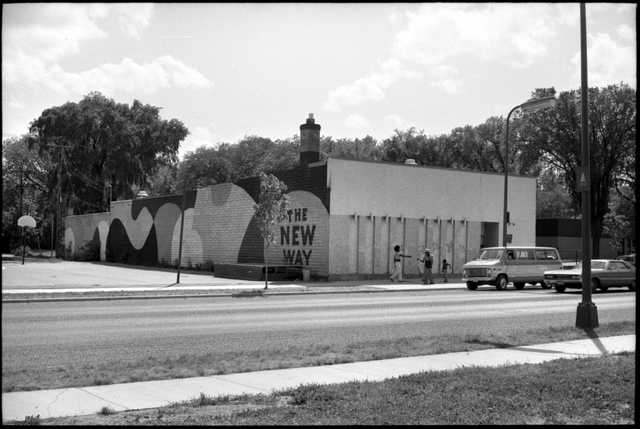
212	295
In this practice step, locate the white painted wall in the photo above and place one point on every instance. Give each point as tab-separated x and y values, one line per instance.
415	192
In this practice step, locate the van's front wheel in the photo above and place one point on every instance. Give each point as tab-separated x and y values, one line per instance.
501	282
472	285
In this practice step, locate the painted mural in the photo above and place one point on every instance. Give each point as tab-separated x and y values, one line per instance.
219	228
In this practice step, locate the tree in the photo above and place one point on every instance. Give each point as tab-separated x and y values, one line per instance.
620	221
203	167
164	180
99	143
612	134
100	148
552	198
24	190
270	210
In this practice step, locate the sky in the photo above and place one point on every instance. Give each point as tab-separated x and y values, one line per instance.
230	70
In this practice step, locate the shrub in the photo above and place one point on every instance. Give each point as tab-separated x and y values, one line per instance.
32	420
105	411
90	251
208	265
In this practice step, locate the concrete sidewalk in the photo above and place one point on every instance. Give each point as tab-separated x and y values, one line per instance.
153	394
85	280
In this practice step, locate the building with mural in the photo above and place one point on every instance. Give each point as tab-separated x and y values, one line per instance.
345	217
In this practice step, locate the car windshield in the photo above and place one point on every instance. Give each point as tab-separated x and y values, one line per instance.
491	254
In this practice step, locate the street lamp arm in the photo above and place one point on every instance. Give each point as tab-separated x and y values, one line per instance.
506	175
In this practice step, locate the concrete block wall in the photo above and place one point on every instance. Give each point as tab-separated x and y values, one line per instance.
219	228
359	250
79	230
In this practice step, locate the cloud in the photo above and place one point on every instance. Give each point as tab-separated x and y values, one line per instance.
446	78
199	135
370	87
133	17
36	37
126	76
506	33
437	34
50	31
608	62
626	32
356	122
395	121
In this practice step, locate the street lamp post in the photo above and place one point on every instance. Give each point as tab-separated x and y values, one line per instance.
587	315
527	106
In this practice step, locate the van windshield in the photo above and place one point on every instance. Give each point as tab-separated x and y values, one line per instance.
491	254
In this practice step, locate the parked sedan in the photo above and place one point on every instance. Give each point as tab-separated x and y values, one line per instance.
629	258
605	273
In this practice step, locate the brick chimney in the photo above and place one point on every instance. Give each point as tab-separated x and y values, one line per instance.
309	142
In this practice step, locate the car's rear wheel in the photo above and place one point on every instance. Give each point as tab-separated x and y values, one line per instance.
519	285
544	285
595	284
501	282
632	286
560	289
472	285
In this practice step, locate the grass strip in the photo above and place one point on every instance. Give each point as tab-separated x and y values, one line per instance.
154	367
565	391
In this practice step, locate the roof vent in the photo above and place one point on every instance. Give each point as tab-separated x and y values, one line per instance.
410	161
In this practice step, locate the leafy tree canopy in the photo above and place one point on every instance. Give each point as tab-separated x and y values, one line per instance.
98	143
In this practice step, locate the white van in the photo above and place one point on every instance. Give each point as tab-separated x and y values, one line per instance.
498	266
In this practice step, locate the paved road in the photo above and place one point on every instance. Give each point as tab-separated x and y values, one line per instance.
42	336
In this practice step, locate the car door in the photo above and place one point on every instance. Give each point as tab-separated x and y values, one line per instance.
547	260
619	273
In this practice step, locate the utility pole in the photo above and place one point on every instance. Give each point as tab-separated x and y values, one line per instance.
587	315
184	204
58	199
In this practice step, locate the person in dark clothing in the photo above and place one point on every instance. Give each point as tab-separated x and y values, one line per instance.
445	267
427	277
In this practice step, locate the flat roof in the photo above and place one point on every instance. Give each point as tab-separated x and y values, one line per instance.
398	164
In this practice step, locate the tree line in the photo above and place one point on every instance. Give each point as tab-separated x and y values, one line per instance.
97	150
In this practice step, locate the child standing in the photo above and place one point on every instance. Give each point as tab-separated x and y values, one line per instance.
445	266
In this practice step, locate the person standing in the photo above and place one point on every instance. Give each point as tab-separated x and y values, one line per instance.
396	274
427	277
420	260
445	266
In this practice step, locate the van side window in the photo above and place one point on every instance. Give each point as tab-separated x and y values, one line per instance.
546	254
524	254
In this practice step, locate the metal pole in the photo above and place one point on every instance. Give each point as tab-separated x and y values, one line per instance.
22	228
20	210
59	198
587	315
357	243
373	246
184	203
505	213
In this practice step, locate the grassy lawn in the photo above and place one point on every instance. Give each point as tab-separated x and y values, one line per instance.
567	391
194	365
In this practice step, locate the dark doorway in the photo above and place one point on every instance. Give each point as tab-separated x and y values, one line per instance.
489	234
